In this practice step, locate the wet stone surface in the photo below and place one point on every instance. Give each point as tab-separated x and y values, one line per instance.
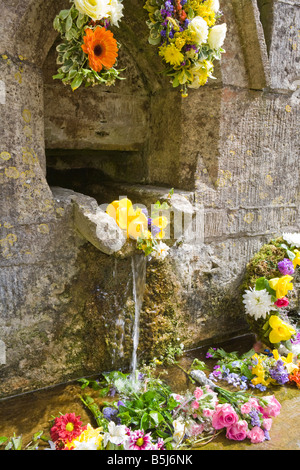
33	412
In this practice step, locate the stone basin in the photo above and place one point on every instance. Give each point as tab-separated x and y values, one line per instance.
32	412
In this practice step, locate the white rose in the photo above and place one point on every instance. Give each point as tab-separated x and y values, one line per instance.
115	11
199	26
217	36
95	9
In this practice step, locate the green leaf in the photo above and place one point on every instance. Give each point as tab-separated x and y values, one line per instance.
3	439
63	14
260	283
291	255
69	23
156	417
145	422
77	82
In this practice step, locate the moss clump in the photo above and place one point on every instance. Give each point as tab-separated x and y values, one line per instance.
264	263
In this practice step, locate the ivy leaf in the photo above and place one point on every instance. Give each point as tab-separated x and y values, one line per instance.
69	23
77	81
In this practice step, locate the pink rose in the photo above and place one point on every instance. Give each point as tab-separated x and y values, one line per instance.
283	302
198	393
267	423
256	435
195	405
246	408
224	416
238	431
272	409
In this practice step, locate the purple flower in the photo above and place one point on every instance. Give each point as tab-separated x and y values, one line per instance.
110	414
280	373
255	421
286	267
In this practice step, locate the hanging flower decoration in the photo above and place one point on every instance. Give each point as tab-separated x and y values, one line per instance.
88	52
266	301
188	39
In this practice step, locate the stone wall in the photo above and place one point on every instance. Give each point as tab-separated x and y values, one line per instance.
232	147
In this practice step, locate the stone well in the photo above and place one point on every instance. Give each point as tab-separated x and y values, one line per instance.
231	148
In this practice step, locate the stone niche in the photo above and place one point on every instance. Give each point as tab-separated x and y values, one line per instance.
231	149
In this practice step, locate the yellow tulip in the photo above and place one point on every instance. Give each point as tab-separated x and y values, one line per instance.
296	261
281	285
281	331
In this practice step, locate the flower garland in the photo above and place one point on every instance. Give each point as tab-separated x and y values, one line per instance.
138	225
88	52
266	302
188	39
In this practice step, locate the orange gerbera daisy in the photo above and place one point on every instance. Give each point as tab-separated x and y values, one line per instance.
101	47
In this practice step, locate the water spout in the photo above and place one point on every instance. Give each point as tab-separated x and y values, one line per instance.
139	281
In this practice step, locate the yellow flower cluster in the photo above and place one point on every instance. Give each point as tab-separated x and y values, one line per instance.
205	11
261	371
131	220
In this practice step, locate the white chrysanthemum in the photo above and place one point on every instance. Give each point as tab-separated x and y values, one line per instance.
258	303
199	26
160	251
292	239
115	12
217	36
95	9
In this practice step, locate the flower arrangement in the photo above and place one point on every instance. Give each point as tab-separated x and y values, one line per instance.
266	302
137	224
254	370
147	415
188	39
88	52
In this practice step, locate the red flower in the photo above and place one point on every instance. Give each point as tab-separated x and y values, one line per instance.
66	428
283	302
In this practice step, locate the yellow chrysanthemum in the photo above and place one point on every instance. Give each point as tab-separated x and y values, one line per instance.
171	54
281	285
281	331
205	11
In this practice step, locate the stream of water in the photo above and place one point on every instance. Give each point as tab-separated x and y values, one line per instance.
139	281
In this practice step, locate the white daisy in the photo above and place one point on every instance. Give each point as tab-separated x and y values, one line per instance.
258	303
292	239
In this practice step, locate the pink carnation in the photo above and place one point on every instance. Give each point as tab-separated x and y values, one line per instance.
272	409
267	423
249	405
196	429
195	405
207	412
224	416
256	435
238	431
198	393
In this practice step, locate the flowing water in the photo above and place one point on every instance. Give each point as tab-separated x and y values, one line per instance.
139	282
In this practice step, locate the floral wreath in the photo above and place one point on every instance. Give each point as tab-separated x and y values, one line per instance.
267	302
88	51
188	39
